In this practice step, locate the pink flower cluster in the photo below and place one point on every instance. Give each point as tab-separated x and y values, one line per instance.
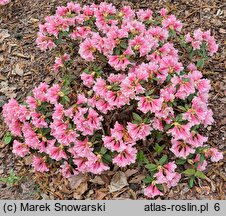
199	38
4	2
145	75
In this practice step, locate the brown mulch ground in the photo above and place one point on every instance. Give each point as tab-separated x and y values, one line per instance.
23	66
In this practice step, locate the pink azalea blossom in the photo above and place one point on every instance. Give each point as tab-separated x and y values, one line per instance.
39	165
181	149
146	104
214	154
57	153
151	191
52	93
4	2
126	157
138	131
67	171
201	166
20	149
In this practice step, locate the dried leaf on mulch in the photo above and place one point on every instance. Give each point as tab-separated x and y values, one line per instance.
130	172
98	180
82	188
101	193
17	70
118	182
3	35
75	181
137	179
7	90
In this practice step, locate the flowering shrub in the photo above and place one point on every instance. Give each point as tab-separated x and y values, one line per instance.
140	83
4	2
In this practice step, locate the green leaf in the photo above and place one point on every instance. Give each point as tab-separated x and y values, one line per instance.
8	138
158	148
150	92
117	51
152	167
200	174
185	79
167	127
107	158
148	180
45	131
180	161
137	118
200	63
196	165
141	158
103	150
191	182
123	45
182	108
189	172
179	118
202	158
163	159
65	99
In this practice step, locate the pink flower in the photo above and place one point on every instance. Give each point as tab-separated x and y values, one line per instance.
67	171
4	2
172	23
118	62
157	124
30	137
141	45
57	153
163	12
131	86
20	149
147	104
144	15
32	103
138	131
197	113
180	131
10	114
168	94
81	163
39	165
152	191
181	149
200	166
52	93
38	120
86	50
125	157
89	46
197	140
83	148
158	33
100	87
113	144
214	154
209	118
44	42
88	79
128	12
40	92
167	174
89	124
98	167
170	65
58	64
